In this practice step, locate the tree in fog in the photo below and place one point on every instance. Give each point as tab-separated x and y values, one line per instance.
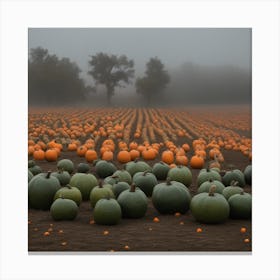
112	71
52	80
155	80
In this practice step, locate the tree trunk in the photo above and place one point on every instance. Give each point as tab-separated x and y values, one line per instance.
110	93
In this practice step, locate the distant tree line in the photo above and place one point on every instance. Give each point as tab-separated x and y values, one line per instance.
56	81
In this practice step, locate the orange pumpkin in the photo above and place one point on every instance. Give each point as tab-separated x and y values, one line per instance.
123	156
197	162
108	155
51	155
167	157
39	155
81	151
90	155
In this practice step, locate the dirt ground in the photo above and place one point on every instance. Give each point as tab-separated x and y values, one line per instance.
171	233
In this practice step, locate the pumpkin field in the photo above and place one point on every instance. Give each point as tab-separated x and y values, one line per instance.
111	179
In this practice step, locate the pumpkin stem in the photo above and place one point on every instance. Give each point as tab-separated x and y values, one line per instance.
145	172
234	183
212	190
168	181
69	186
132	187
100	184
210	180
48	175
242	193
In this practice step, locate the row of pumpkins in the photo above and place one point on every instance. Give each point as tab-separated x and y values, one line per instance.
123	193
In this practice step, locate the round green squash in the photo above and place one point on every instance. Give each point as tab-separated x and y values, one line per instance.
205	186
104	168
64	209
35	170
69	192
41	191
133	203
137	166
84	182
124	176
30	175
248	174
62	176
160	169
180	174
66	165
31	163
240	206
111	180
232	189
171	197
145	181
208	174
210	208
83	167
234	175
107	211
101	191
120	187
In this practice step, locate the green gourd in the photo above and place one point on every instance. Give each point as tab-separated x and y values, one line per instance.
107	211
84	182
205	186
101	191
210	208
133	202
66	165
69	192
160	170
145	181
240	206
171	197
64	209
207	174
104	168
180	174
41	191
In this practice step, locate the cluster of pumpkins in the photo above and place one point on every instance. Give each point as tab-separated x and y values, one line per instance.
124	193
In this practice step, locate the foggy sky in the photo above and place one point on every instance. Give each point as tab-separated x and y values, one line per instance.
174	46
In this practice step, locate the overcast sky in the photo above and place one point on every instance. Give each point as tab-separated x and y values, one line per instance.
205	46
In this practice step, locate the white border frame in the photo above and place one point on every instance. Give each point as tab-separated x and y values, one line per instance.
17	16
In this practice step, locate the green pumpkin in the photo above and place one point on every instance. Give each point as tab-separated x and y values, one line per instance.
240	206
64	209
69	192
30	175
35	170
111	180
133	202
205	186
180	174
137	166
210	208
101	191
83	168
232	189
107	211
62	176
84	182
145	181
31	163
66	165
41	191
160	169
120	187
124	176
248	174
104	168
234	175
171	197
207	174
